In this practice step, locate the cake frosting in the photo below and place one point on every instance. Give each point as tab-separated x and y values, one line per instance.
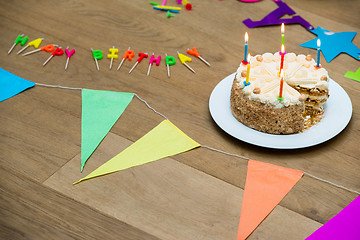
305	88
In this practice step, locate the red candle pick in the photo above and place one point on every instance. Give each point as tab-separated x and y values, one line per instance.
281	85
282	54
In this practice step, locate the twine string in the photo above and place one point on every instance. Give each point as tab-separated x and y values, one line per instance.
207	147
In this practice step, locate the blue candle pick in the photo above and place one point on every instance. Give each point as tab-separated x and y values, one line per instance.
318	53
246	47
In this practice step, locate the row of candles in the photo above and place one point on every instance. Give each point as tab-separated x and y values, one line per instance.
56	50
282	53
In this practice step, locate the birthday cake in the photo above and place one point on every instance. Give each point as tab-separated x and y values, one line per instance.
257	103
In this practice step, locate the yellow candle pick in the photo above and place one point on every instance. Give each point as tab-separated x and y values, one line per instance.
247	71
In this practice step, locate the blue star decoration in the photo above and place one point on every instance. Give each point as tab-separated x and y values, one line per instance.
332	44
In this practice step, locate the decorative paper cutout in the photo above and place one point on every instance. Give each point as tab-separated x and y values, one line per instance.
353	75
162	141
100	111
274	18
345	225
10	84
332	44
266	185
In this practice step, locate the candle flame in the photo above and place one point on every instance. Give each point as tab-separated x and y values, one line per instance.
282	28
282	48
246	37
318	43
248	58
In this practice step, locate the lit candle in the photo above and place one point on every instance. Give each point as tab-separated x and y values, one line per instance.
282	54
247	72
282	34
246	46
318	53
281	85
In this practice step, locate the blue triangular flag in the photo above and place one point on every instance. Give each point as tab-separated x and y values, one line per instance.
10	84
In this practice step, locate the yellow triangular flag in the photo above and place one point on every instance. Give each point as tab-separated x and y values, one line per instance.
162	141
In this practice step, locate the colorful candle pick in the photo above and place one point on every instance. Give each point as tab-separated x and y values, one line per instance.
20	39
195	53
163	3
97	54
141	56
58	52
128	54
184	59
35	43
68	54
152	60
282	54
280	97
318	53
165	9
113	54
169	8
169	60
282	34
246	47
247	82
47	48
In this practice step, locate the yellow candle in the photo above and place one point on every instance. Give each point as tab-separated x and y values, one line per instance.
248	70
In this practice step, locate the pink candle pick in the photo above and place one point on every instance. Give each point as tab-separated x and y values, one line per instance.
68	54
58	52
152	60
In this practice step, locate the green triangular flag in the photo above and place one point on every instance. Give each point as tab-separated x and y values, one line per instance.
162	141
100	111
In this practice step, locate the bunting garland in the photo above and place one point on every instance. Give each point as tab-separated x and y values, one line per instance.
266	184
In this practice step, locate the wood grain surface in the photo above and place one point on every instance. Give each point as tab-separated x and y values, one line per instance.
194	195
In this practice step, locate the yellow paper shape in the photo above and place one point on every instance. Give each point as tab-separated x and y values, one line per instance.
162	141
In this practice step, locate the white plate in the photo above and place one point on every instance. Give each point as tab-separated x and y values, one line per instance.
338	111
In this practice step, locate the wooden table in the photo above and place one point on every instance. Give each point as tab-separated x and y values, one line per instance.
194	195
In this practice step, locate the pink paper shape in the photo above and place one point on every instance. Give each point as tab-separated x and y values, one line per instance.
345	225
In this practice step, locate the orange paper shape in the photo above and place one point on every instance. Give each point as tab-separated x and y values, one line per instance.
266	185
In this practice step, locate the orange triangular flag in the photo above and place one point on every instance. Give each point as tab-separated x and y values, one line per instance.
266	185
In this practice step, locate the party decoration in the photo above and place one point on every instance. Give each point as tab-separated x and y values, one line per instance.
266	185
35	43
58	52
166	10
275	18
280	96
154	3
246	48
249	0
169	8
184	59
68	54
128	54
97	54
162	141
168	14
152	60
345	225
282	29
12	84
195	53
20	39
318	53
247	82
113	54
188	6
100	111
353	75
47	48
169	60
282	54
332	44
141	56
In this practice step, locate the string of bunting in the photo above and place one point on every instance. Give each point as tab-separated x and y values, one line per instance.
163	141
